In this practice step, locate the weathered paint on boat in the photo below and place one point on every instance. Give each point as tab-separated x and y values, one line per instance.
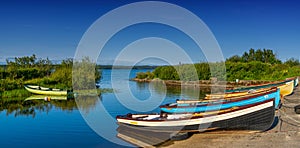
45	91
232	94
275	84
257	116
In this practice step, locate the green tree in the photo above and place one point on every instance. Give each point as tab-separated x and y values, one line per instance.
236	58
292	62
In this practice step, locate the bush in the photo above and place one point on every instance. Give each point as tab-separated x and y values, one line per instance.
254	70
145	75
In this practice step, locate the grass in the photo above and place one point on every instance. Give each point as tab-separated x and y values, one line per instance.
93	92
15	93
105	90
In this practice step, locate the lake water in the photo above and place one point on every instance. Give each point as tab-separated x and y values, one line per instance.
60	124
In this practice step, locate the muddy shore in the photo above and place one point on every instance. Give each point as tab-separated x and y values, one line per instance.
285	132
205	83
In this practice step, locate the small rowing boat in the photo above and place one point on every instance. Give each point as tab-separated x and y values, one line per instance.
257	116
287	88
45	91
210	105
256	87
233	94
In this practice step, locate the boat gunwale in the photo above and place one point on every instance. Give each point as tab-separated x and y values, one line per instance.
274	84
49	89
198	116
223	101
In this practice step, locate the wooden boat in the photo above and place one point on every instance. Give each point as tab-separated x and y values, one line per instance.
257	116
46	98
296	82
255	87
233	94
287	89
202	106
45	91
141	138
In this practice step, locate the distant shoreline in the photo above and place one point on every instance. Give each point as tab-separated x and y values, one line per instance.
111	66
205	83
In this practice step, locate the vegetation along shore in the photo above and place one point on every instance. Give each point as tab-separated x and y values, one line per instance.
253	67
35	71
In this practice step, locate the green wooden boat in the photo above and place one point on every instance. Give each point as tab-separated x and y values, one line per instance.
45	91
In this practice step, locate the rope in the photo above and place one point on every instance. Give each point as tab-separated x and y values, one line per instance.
287	106
281	112
290	123
290	101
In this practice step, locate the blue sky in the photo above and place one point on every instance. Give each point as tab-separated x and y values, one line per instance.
53	29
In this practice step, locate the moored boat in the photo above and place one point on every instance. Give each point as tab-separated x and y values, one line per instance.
257	116
141	138
202	106
286	89
45	91
255	87
233	94
296	82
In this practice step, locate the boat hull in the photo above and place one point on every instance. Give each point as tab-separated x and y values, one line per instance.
142	138
258	117
223	104
45	91
286	89
276	84
232	94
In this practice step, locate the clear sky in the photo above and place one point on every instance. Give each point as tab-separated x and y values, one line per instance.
54	28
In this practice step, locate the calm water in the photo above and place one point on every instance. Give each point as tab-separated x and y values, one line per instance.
60	124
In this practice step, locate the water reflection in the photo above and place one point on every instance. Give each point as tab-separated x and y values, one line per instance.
185	92
142	138
86	103
36	103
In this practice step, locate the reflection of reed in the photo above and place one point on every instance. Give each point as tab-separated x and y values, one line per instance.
18	107
142	85
188	92
86	103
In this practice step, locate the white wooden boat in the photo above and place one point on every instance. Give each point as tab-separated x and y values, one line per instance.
258	117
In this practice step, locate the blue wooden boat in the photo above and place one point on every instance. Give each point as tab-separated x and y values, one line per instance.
204	106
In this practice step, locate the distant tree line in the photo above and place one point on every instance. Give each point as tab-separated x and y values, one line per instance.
253	65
